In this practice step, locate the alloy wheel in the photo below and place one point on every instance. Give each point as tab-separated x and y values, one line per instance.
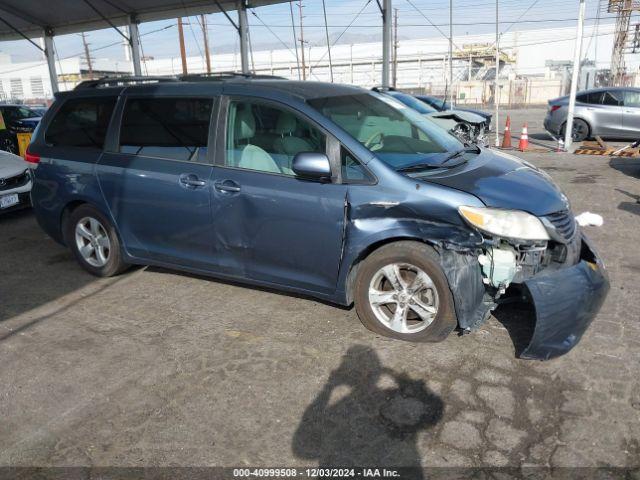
93	242
403	298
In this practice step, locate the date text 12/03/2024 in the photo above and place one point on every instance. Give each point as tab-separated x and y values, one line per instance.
316	472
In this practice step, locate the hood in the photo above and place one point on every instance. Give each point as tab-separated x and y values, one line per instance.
460	116
503	181
11	165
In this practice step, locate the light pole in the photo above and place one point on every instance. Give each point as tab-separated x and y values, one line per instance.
496	87
450	53
577	54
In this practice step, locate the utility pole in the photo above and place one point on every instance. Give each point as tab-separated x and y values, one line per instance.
87	55
295	38
326	29
496	88
395	48
183	53
205	39
451	94
304	67
577	54
387	39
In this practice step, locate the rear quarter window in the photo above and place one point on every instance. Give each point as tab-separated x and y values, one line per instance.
81	122
592	98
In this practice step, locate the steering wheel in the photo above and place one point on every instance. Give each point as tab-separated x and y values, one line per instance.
374	146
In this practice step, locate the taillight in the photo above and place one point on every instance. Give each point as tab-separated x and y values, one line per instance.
554	108
31	157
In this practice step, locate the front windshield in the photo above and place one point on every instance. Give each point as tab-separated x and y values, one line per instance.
437	103
395	133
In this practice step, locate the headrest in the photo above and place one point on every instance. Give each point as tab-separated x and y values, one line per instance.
245	124
286	124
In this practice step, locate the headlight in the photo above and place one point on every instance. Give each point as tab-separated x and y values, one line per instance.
505	223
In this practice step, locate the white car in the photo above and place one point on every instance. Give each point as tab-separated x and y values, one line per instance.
15	182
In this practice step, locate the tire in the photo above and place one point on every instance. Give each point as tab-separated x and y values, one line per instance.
581	130
9	145
375	301
98	234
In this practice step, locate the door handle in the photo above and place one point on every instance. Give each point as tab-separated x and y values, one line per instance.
191	180
227	186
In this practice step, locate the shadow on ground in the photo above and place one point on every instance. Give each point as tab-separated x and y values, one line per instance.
632	206
628	166
519	319
367	415
241	284
34	270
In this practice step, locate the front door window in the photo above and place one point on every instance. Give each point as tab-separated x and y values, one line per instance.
266	138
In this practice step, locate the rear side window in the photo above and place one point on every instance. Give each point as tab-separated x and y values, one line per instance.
81	122
593	98
172	128
612	98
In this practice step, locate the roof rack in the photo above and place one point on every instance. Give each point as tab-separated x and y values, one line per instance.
199	77
122	81
384	89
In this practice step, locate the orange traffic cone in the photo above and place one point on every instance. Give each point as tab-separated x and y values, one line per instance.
524	139
506	139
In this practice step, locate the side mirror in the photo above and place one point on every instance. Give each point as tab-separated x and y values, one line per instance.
312	166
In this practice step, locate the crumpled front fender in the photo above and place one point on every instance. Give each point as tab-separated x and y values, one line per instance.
565	301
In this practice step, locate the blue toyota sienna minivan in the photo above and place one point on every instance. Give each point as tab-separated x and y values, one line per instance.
327	190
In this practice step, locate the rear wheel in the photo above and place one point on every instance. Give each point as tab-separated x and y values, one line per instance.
580	130
94	242
401	292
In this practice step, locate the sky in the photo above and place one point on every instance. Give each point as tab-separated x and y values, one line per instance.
349	21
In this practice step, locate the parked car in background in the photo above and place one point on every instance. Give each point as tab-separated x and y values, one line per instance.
611	112
466	126
326	190
15	182
16	119
441	105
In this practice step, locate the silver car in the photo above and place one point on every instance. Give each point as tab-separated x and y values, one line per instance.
607	112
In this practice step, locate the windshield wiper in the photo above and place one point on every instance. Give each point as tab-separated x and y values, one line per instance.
453	155
458	153
418	167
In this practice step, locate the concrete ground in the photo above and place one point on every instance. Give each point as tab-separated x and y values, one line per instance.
162	368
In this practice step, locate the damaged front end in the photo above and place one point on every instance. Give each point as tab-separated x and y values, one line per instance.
467	128
562	278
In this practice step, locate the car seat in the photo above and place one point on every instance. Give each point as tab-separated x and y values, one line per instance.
287	143
252	157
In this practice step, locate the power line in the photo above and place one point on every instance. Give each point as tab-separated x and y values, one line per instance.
344	31
274	34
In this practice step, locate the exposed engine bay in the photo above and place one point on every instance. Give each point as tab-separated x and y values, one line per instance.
477	134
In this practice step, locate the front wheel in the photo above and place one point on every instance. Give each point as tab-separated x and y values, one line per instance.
580	130
94	242
401	292
9	145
